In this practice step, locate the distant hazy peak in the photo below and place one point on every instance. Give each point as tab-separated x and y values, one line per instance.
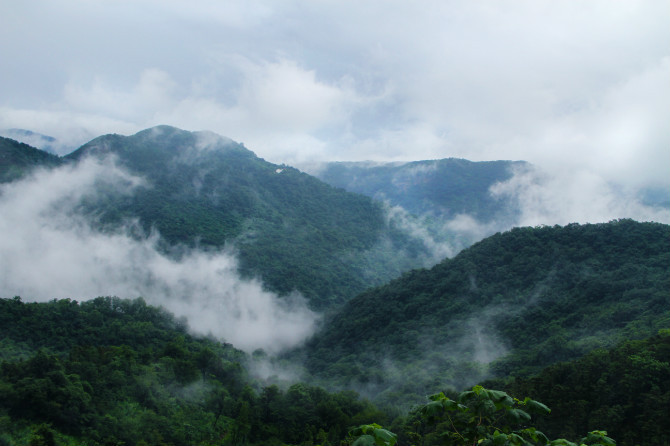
37	140
26	133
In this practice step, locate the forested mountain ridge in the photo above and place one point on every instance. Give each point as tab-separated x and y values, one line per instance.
16	159
288	228
442	188
517	301
112	371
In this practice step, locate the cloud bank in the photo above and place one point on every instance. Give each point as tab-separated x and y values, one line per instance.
49	250
568	196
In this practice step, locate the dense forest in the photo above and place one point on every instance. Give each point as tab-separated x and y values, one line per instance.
112	371
119	372
624	390
17	159
509	305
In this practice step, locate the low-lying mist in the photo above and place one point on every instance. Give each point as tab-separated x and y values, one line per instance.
442	238
562	196
534	196
455	362
51	250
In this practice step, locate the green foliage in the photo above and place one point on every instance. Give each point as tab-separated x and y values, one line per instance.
482	416
371	435
509	305
112	371
625	391
485	417
18	159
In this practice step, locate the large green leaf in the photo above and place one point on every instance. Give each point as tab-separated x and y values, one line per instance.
536	407
364	440
500	398
518	416
384	437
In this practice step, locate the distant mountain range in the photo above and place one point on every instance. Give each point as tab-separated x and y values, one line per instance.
441	188
37	140
290	229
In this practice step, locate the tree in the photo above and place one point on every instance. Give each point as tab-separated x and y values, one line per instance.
371	435
478	417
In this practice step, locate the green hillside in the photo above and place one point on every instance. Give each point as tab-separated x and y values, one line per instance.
119	372
619	395
288	228
17	159
443	188
625	390
509	305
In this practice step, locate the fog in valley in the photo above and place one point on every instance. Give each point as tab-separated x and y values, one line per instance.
52	251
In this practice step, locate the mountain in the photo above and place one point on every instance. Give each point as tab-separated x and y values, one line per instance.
37	140
443	188
16	159
507	306
288	228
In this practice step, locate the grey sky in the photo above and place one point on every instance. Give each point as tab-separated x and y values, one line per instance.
575	85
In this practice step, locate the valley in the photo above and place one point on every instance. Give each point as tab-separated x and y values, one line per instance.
171	287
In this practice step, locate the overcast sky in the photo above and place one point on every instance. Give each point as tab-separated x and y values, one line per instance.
575	84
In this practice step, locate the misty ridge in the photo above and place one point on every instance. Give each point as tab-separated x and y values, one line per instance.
51	251
61	240
510	305
264	282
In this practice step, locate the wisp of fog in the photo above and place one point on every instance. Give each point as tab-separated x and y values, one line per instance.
50	250
573	196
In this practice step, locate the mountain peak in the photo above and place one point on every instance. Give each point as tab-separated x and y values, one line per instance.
161	141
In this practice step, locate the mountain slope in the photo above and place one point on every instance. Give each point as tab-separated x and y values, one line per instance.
443	188
624	390
289	228
517	301
17	159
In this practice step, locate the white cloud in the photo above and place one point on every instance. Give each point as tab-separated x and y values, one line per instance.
49	251
152	93
282	95
71	128
568	196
